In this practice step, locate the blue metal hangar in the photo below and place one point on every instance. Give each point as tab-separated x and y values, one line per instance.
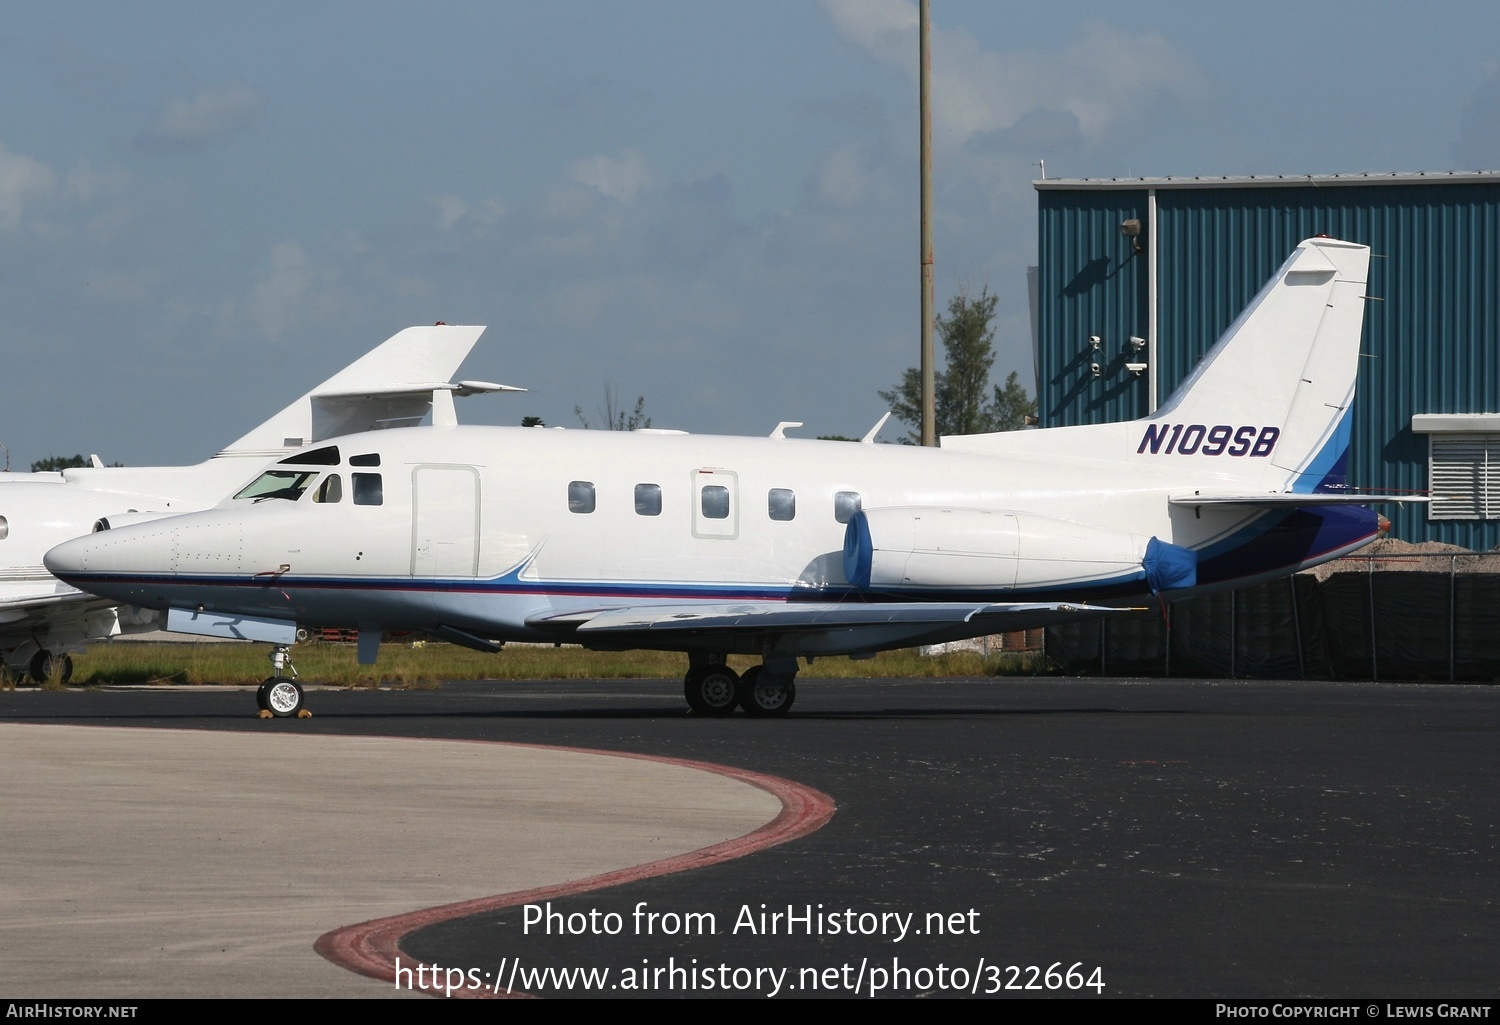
1137	278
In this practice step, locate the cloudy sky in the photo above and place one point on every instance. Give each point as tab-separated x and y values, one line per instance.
207	208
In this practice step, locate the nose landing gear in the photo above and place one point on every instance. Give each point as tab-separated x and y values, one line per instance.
280	696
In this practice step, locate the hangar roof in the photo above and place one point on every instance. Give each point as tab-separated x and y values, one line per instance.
1273	180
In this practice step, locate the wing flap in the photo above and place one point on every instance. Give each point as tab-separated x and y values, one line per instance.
784	617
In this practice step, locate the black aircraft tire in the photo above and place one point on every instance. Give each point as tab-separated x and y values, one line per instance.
765	698
711	690
260	695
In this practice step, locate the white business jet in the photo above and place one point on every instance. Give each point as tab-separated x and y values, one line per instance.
42	619
780	547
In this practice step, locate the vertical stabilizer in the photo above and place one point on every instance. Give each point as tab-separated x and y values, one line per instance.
392	384
1277	387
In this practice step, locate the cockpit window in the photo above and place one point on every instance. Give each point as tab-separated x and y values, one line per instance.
328	456
368	489
288	484
331	491
369	459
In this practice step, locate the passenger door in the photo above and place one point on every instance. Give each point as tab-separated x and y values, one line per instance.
445	521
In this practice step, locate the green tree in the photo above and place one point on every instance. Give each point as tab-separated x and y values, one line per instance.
1012	406
613	415
58	463
965	403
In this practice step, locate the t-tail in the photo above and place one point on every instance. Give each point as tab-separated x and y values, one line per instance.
391	385
1252	448
1269	405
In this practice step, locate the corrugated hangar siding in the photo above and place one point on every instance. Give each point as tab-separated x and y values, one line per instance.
1432	335
1089	282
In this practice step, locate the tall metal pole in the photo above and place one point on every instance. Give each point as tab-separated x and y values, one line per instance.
929	385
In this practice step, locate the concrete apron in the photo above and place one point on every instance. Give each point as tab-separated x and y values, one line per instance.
167	863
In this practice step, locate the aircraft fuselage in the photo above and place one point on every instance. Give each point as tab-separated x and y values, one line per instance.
492	530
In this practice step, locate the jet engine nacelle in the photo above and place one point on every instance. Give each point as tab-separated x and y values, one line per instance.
126	519
971	549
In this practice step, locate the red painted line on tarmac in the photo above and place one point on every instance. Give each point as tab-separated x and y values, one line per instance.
371	948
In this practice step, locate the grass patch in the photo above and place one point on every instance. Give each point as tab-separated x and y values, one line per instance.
403	665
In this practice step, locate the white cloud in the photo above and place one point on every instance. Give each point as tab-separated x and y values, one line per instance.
210	115
1108	78
886	28
291	291
22	180
848	177
618	178
85	184
451	210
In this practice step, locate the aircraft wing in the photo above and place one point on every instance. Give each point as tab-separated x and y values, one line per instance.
766	617
27	588
63	616
12	609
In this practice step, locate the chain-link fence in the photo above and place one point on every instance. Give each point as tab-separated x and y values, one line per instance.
1364	617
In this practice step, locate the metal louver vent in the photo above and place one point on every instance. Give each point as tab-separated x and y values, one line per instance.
1464	471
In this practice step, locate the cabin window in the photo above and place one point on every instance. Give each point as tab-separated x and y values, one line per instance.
331	491
287	484
368	489
328	456
648	499
845	505
580	496
781	503
715	502
369	459
4	528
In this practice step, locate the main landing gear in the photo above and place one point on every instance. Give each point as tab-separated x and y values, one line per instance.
47	666
280	696
764	691
40	667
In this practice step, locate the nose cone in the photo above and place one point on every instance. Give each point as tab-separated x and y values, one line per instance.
70	558
101	562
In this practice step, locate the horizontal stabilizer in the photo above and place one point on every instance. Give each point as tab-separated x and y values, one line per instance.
419	390
1283	499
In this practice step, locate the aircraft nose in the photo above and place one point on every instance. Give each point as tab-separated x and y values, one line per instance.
69	558
146	548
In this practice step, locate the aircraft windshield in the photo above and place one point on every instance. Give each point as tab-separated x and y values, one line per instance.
288	484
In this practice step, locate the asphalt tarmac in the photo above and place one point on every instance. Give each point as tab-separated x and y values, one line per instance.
1091	838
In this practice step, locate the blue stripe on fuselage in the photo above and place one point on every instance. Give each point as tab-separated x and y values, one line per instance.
1275	541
